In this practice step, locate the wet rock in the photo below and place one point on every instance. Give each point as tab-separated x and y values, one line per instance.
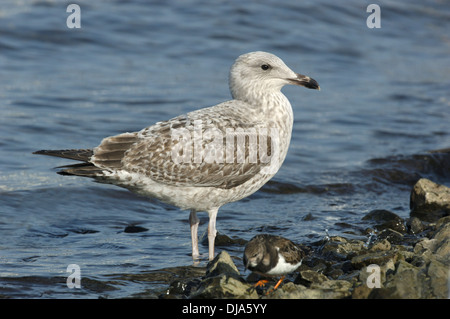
429	201
134	229
384	219
182	281
378	258
406	283
223	280
340	270
225	287
341	288
361	292
381	215
340	247
394	237
413	267
438	247
439	279
383	244
442	224
309	277
178	288
334	289
344	266
308	217
415	225
224	240
222	264
385	269
427	275
293	291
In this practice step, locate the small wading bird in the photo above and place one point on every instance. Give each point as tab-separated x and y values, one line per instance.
144	162
272	256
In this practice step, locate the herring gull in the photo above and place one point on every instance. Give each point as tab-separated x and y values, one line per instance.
204	159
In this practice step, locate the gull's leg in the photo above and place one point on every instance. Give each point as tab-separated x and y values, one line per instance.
212	231
194	221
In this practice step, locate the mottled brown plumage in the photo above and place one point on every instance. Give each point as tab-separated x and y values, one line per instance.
271	256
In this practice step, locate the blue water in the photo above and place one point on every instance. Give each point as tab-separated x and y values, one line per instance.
359	144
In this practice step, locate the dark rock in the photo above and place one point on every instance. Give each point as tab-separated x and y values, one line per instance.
335	273
308	217
429	201
415	225
442	222
320	265
406	283
382	244
181	288
224	240
340	287
331	289
177	287
223	280
223	286
438	247
391	235
381	215
345	266
309	277
385	268
408	266
134	229
339	270
361	292
222	264
384	219
427	275
339	248
378	258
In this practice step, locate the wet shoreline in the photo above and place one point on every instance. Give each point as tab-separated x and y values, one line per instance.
408	259
380	237
400	258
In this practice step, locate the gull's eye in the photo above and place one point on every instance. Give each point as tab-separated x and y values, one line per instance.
265	67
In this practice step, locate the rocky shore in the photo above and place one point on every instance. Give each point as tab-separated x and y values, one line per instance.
401	259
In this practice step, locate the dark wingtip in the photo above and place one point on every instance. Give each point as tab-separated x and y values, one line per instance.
74	154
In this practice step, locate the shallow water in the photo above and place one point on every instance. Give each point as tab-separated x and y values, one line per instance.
359	144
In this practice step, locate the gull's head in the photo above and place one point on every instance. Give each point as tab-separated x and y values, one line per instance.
257	73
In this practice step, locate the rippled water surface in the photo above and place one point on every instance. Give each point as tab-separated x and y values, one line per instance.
359	144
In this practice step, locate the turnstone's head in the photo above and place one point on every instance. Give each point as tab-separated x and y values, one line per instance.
254	253
272	255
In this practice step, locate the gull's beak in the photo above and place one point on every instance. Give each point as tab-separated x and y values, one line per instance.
305	81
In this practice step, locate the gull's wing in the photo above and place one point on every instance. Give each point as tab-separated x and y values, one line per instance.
189	150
